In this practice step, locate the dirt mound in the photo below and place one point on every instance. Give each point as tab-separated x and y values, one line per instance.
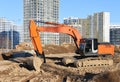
25	46
11	72
117	48
48	49
113	76
54	49
57	49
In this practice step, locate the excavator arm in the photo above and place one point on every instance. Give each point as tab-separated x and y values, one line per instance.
56	28
87	44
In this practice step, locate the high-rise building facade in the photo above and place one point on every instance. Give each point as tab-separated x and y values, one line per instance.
94	26
64	38
99	26
45	10
104	27
78	24
10	36
115	34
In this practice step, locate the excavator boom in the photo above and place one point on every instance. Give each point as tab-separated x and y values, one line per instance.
57	28
85	47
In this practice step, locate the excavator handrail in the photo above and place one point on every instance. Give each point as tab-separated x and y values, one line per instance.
57	28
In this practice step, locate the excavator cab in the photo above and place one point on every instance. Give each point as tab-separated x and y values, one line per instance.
88	47
91	47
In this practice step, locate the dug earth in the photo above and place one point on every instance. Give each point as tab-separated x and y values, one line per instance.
14	66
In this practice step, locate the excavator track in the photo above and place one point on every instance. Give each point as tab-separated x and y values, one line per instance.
88	62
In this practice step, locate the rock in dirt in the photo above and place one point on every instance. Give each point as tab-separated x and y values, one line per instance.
68	60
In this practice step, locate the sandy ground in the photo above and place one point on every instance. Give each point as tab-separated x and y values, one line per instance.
54	71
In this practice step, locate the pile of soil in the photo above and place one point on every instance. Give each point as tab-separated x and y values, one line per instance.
54	49
117	48
48	49
111	76
58	49
24	46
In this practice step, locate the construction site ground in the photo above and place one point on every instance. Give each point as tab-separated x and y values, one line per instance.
54	71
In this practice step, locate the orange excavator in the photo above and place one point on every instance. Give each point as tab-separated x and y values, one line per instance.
86	47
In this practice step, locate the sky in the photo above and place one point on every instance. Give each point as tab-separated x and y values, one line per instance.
13	9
